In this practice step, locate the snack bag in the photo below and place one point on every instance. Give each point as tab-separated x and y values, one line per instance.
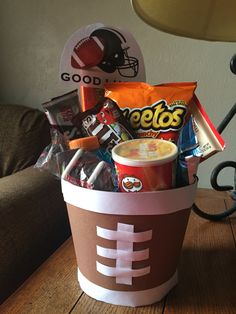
158	111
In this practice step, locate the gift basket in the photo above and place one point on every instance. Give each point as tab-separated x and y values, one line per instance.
127	154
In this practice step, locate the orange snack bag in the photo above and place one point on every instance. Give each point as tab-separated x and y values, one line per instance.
157	111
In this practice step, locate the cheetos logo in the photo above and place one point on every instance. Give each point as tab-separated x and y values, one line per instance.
157	117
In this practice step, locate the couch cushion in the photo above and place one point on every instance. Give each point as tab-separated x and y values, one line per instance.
24	133
33	223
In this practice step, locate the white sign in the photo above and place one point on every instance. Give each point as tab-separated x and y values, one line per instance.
97	54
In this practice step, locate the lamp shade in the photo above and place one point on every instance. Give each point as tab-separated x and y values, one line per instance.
201	19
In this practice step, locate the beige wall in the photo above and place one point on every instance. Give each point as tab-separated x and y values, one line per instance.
33	34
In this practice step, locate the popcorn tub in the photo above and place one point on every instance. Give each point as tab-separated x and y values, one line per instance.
128	245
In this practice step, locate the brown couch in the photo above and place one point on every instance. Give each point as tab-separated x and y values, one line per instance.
33	216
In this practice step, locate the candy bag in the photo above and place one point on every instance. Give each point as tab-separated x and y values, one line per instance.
87	170
50	158
105	121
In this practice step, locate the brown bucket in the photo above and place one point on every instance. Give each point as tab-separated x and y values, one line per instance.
127	245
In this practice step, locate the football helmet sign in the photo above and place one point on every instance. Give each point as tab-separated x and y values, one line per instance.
97	54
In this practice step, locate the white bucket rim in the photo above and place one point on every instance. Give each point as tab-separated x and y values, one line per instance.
133	203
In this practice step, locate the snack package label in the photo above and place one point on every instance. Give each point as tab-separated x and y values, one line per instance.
158	111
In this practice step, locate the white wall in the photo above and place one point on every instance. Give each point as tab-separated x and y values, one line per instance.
33	34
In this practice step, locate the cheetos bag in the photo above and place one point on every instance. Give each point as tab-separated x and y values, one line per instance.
158	111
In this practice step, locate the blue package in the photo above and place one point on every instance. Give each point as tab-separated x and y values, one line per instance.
189	155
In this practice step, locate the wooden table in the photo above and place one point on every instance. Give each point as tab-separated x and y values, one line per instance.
207	274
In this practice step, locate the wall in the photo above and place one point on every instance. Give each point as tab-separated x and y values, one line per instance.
33	34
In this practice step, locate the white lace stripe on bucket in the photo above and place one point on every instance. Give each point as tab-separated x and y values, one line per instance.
130	256
121	235
121	272
124	253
